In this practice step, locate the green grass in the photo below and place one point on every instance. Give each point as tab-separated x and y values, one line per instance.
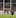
7	16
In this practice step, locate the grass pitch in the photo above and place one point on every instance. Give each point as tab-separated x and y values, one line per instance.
7	16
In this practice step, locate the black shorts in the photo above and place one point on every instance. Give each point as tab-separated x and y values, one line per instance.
12	13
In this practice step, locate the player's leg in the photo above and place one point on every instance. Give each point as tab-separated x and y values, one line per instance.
4	12
12	12
7	12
